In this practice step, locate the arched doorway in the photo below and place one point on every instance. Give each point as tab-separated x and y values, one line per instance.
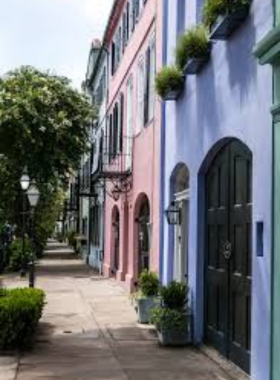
228	190
144	233
180	197
116	239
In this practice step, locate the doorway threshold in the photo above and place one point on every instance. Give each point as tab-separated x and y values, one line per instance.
229	367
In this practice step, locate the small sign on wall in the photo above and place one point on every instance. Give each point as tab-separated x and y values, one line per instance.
260	227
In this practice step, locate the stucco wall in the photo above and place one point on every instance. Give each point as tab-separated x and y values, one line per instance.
146	150
230	98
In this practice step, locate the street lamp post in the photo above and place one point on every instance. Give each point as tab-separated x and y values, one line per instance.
24	182
33	195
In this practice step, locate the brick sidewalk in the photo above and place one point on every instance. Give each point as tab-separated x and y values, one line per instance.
88	332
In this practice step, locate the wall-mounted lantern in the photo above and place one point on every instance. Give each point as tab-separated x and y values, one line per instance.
173	214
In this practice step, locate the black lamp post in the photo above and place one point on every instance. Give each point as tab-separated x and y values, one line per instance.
33	195
24	182
173	214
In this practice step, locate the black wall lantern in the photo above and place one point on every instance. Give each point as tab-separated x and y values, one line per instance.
173	214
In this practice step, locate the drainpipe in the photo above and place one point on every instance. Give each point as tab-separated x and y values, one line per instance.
162	143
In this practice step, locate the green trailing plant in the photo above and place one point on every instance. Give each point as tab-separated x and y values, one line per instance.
170	78
148	284
194	43
16	256
212	9
20	312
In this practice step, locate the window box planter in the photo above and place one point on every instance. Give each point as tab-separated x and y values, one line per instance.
170	83
195	65
143	307
173	94
228	23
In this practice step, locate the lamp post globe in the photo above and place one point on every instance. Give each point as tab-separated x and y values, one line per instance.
24	181
33	195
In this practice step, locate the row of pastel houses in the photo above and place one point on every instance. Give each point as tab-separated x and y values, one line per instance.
189	188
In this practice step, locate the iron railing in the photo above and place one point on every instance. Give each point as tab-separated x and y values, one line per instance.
114	156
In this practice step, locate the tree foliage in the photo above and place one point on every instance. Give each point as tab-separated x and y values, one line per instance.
44	126
44	122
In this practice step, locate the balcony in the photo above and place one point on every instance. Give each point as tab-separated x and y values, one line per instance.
112	159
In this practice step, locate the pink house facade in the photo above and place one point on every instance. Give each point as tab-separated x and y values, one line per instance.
132	140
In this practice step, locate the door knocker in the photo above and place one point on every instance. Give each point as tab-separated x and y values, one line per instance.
227	250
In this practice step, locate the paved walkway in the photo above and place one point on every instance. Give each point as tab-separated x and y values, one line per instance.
88	332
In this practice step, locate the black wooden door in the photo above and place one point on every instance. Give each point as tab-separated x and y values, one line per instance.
228	253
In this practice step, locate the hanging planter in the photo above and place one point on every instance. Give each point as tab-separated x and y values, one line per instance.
170	83
195	65
223	17
193	50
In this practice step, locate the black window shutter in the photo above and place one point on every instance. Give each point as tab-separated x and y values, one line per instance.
121	123
111	138
147	87
116	128
113	58
127	20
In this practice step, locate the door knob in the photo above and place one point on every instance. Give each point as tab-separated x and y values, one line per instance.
227	250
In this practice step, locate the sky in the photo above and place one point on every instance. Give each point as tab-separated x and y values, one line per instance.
51	34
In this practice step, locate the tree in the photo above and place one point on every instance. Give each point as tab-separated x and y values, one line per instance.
44	123
49	210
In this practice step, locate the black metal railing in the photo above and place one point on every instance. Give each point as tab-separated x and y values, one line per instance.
114	158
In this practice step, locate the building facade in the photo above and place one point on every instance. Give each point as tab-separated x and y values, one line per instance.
267	52
216	171
97	90
129	150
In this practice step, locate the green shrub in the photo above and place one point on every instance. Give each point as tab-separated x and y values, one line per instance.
174	295
194	43
212	9
20	312
148	284
169	79
168	319
16	256
172	314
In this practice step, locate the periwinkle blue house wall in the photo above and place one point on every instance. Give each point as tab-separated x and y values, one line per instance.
230	98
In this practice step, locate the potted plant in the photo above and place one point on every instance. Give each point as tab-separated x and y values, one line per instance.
169	83
222	17
171	318
193	50
147	296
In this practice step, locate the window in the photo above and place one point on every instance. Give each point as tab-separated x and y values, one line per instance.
113	58
111	131
124	31
133	15
147	86
95	226
115	130
152	78
127	21
129	123
140	97
121	110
